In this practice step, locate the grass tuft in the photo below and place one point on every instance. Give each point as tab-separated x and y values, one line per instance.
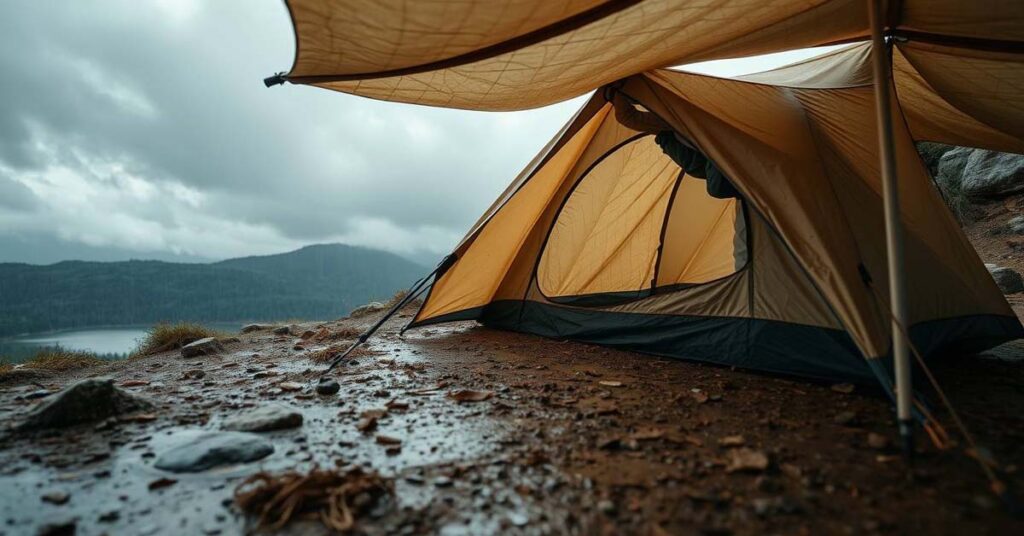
59	360
164	337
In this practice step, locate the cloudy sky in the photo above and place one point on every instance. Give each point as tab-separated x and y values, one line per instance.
141	129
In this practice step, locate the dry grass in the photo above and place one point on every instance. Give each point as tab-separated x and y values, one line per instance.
328	354
57	360
399	296
5	366
164	337
337	498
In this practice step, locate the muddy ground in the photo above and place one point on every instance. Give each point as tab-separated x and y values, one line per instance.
576	439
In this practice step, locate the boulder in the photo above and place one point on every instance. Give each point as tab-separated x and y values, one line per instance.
87	401
213	449
992	174
249	328
207	346
282	330
952	164
368	309
264	419
1009	281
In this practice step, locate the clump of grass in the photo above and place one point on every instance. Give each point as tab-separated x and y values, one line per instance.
399	296
163	337
59	360
5	366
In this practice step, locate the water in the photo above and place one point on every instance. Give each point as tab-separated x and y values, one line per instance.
112	342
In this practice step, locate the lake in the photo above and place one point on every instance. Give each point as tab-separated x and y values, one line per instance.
111	342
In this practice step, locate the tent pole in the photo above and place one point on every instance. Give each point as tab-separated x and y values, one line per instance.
893	224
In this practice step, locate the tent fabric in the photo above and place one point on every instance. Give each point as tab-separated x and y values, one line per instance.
614	244
484	55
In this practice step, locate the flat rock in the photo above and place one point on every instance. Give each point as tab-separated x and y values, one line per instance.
249	328
264	419
282	330
206	346
213	449
87	401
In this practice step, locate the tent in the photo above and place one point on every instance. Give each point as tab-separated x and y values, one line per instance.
604	239
599	239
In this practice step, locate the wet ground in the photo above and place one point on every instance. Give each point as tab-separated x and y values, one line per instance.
574	439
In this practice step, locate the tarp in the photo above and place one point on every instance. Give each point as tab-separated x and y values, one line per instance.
487	55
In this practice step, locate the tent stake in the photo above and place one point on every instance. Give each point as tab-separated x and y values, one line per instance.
893	225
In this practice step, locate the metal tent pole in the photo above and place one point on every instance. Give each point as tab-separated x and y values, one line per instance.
893	224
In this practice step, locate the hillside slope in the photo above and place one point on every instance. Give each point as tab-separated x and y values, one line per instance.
315	282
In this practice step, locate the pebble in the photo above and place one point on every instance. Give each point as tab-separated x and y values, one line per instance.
56	497
327	387
264	419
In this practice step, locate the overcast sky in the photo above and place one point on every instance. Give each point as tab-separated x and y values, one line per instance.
141	129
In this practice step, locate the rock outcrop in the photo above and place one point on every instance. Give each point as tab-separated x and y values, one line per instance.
87	401
980	173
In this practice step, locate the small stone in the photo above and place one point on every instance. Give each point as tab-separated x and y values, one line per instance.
388	440
606	507
58	528
845	418
264	419
56	497
193	374
747	460
290	386
327	387
844	388
443	482
40	393
877	441
212	449
205	346
731	441
110	516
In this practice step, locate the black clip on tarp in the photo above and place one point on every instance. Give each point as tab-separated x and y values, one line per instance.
414	291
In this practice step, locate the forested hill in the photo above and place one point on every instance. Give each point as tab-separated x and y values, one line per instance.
315	282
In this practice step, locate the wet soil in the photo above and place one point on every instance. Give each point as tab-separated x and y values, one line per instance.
576	439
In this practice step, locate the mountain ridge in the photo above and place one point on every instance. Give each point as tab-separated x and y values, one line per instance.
320	281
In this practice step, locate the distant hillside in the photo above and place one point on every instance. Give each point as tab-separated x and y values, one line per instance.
315	282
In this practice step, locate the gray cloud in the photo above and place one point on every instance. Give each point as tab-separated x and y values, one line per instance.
143	129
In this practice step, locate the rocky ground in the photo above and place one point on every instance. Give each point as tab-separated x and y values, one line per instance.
483	432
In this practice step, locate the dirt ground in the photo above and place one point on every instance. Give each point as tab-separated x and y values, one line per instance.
575	439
